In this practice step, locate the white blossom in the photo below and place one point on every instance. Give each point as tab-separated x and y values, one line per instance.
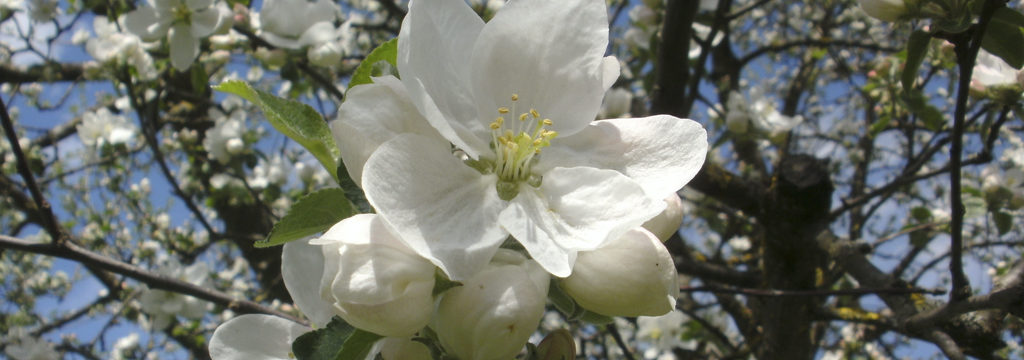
990	70
101	127
517	97
22	346
164	305
183	22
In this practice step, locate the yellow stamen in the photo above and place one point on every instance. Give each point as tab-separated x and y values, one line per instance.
515	97
503	110
534	113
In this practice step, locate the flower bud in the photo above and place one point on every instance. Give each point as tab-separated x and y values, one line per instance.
885	10
493	314
375	281
667	223
326	55
632	275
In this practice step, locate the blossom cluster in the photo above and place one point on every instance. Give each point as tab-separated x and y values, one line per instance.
492	185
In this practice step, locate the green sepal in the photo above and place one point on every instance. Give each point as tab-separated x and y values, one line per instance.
312	214
336	341
442	283
595	318
381	61
298	121
918	104
562	301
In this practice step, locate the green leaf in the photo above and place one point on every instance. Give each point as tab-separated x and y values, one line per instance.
298	121
917	49
312	214
323	344
200	80
358	345
878	125
921	214
1004	222
1003	38
1008	16
381	61
928	114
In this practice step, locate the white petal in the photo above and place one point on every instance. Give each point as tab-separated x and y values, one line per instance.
434	52
550	53
145	23
206	21
318	33
302	265
610	71
255	337
443	209
575	209
661	153
372	114
184	47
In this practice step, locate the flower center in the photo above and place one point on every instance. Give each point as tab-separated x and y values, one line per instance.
516	144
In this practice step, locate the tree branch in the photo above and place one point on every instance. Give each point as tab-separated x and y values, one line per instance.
71	251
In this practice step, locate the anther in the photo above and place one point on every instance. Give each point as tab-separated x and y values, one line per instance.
534	113
515	97
503	110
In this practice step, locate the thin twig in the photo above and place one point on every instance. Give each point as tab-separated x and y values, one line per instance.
782	293
46	212
614	331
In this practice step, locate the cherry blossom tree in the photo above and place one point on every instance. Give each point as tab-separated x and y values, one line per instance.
534	179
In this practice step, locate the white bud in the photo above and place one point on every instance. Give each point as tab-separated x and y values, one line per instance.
375	281
667	223
493	314
326	55
885	10
632	275
234	146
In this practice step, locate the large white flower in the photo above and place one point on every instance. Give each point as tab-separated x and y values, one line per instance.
184	22
517	98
